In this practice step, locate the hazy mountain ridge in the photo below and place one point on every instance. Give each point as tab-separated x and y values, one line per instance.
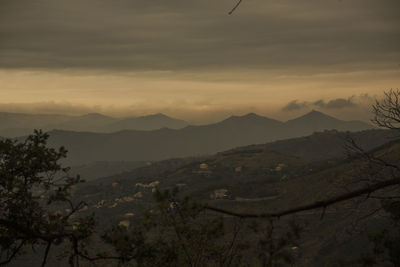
18	124
304	123
316	147
323	145
133	145
148	123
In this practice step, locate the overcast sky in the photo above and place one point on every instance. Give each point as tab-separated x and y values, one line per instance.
190	59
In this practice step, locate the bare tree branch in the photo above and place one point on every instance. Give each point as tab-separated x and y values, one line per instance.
46	253
387	111
14	253
316	205
234	8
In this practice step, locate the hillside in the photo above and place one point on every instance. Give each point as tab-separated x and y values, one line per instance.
254	181
260	178
318	146
99	169
323	145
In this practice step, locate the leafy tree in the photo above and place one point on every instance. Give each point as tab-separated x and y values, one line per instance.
35	204
175	233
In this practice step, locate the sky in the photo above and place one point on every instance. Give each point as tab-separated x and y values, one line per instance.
191	60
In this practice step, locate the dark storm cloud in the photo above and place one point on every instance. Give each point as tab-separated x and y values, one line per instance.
335	103
295	105
193	34
338	103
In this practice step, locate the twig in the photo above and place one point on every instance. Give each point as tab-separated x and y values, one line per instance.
234	8
46	253
16	250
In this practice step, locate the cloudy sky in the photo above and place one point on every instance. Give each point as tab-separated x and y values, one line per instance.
190	59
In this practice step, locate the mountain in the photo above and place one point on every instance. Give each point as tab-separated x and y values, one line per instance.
316	121
146	123
21	120
93	122
19	124
166	143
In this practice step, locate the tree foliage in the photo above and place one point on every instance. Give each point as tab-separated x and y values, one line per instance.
179	231
35	204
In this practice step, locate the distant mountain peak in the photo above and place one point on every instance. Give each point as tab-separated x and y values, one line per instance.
246	116
316	112
156	115
252	115
315	121
148	122
160	114
314	115
94	115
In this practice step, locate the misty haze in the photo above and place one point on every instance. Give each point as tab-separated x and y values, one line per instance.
199	133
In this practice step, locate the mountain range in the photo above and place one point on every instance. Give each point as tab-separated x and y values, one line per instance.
134	145
253	178
18	124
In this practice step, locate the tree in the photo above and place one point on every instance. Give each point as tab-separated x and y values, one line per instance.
180	231
35	204
387	111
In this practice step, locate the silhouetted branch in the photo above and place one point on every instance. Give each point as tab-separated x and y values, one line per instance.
78	253
352	145
14	253
228	258
316	205
387	111
46	253
234	8
30	233
385	198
